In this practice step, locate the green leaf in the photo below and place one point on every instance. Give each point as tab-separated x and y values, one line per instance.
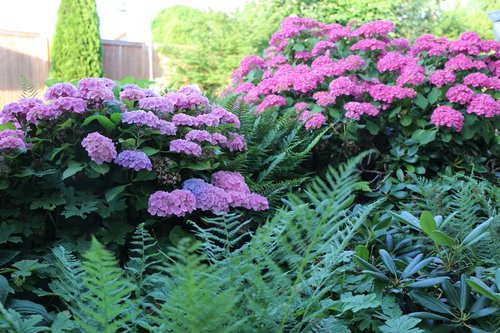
99	168
358	302
104	121
416	265
424	136
441	238
427	222
388	262
362	252
421	101
7	125
116	117
73	168
112	193
483	289
150	151
428	282
372	127
434	95
477	233
403	324
430	302
406	121
5	289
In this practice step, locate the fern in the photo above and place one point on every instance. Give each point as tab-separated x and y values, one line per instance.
222	235
28	89
12	322
195	298
143	256
102	303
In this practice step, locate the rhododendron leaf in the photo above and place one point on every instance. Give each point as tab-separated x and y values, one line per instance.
421	101
442	239
434	95
427	222
112	193
424	136
104	121
73	168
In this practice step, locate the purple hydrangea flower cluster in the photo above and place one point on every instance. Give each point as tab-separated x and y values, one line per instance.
42	111
236	143
132	94
158	104
96	90
12	139
61	90
99	148
177	202
227	189
133	159
199	136
186	147
70	104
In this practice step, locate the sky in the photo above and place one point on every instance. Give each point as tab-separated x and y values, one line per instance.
117	17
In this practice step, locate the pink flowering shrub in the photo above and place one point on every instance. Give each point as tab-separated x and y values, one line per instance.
103	157
424	105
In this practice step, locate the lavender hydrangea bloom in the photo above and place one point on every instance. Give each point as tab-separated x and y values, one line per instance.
166	128
12	139
186	147
230	181
178	100
140	117
194	98
256	202
99	148
177	202
195	185
42	111
132	159
61	90
236	143
199	136
219	138
207	119
70	104
227	117
208	197
17	111
158	104
96	90
132	94
183	120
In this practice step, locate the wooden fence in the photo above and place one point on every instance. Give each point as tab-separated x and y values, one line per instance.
28	54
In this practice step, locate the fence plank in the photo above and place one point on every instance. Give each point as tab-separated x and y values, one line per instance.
28	54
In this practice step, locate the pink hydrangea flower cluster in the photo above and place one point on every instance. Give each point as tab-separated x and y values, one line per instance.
447	116
185	147
61	90
355	110
177	202
132	159
225	190
12	139
313	120
99	148
96	91
157	104
365	64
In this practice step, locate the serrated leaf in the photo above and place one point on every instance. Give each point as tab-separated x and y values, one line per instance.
104	121
421	101
358	302
424	136
403	324
73	168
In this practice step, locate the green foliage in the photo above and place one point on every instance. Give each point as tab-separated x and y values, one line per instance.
76	49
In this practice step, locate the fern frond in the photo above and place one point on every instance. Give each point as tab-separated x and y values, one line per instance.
100	300
222	234
28	89
195	298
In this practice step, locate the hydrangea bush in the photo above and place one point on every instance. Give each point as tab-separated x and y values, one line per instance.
101	158
424	106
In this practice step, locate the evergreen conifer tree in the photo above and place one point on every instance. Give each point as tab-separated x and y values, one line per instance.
76	48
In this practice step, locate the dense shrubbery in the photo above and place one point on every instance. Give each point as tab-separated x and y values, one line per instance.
425	107
167	183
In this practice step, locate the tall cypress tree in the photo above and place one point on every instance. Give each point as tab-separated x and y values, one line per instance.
76	48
